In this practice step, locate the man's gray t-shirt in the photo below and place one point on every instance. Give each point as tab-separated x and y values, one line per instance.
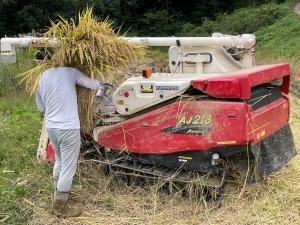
57	97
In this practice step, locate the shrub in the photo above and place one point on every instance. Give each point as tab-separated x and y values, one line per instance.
244	20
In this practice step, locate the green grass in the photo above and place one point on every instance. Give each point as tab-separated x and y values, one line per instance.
19	128
281	39
19	132
280	42
243	20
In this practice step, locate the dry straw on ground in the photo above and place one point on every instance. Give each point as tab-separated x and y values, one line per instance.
92	46
273	201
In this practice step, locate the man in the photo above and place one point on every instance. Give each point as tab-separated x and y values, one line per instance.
57	99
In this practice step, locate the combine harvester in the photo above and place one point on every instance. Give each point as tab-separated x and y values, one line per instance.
214	112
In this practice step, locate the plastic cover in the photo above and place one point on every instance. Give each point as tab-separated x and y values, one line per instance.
272	153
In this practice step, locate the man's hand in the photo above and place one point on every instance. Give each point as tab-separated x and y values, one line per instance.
102	91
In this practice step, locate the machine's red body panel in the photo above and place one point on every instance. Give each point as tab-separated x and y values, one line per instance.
238	84
208	124
143	134
265	121
232	123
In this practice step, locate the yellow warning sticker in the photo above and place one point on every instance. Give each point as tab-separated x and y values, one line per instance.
261	134
226	142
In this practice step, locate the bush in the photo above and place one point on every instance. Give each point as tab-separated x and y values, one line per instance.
244	20
282	39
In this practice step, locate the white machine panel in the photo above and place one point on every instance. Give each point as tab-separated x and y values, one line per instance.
138	93
201	60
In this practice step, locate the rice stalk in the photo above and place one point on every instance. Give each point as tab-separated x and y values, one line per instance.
93	47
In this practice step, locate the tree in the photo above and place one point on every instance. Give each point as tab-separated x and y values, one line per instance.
140	17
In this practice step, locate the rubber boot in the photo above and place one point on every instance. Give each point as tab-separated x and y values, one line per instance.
60	205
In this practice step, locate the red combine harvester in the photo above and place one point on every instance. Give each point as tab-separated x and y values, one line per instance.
214	112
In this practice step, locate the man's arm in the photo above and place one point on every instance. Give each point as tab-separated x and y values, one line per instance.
84	81
39	103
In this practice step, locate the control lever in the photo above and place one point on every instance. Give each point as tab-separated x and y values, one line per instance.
102	91
107	105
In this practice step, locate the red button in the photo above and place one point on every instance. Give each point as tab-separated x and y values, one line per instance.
126	94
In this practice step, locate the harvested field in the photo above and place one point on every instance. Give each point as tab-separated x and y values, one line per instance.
25	186
273	201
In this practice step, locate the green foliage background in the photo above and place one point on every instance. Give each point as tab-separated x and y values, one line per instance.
141	17
278	38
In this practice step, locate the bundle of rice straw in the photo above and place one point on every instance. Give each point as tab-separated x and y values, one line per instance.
94	48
